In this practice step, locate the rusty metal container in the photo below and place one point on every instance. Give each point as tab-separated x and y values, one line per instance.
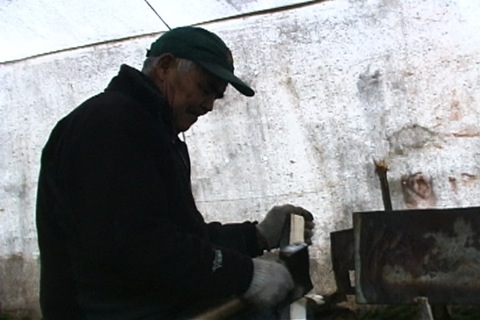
402	255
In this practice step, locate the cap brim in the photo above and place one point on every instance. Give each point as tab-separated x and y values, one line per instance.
228	76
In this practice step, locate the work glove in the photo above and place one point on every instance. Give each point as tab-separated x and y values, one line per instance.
271	282
270	229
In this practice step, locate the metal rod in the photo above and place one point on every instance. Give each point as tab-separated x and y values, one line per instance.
381	169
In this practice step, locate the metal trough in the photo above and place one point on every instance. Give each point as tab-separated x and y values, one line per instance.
402	255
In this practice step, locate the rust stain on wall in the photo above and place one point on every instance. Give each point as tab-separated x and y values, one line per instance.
466	134
453	184
418	191
468	178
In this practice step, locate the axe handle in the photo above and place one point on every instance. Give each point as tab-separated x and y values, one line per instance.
223	311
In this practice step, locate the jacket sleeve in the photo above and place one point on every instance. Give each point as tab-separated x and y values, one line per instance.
241	237
123	236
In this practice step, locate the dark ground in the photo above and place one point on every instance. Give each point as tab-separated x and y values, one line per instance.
394	312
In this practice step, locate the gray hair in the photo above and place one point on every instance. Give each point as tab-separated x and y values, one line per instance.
183	65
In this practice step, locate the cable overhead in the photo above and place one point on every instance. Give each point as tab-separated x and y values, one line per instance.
155	11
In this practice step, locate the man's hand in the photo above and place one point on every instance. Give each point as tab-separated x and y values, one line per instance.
271	282
270	229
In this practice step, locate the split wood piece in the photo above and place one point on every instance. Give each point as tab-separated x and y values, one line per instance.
298	309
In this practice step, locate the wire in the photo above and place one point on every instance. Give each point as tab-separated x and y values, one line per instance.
153	9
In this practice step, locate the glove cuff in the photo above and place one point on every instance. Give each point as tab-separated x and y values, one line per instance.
261	274
262	240
270	283
269	234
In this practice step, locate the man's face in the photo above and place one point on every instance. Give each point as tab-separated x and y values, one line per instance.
191	93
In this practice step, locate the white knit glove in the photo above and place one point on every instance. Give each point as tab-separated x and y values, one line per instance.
270	229
270	284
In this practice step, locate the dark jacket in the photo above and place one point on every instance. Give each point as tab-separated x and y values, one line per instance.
118	228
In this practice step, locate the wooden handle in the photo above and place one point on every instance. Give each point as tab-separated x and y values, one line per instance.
223	311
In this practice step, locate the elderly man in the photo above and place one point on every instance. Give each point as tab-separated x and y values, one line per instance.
119	233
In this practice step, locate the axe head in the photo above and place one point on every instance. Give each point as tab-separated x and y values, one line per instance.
295	258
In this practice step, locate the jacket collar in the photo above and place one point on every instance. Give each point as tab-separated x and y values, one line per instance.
137	85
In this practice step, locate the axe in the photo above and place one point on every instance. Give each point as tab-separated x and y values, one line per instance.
294	254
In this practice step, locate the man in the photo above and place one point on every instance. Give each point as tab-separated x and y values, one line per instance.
120	236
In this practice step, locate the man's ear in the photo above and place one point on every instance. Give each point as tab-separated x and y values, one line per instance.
165	63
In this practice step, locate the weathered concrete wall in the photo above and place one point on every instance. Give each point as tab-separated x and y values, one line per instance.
338	83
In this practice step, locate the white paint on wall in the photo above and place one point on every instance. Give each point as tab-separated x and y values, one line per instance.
338	83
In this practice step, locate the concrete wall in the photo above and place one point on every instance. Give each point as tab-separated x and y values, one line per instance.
338	83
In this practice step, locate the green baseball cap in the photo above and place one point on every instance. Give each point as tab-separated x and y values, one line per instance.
204	48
